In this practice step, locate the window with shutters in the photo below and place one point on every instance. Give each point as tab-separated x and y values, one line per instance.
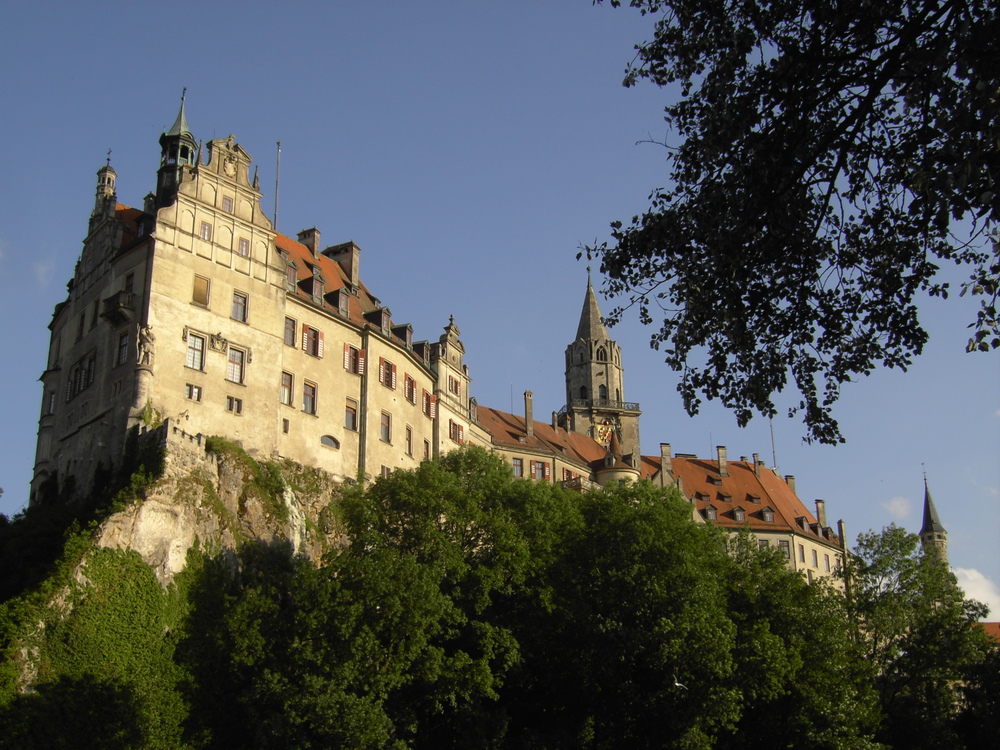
454	385
456	431
312	341
386	373
429	405
540	470
410	389
354	359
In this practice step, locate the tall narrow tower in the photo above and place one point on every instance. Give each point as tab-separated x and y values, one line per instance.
933	536
595	389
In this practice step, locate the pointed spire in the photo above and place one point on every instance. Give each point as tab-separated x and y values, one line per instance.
591	326
180	125
932	524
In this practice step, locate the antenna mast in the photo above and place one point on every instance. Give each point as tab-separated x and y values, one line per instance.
277	179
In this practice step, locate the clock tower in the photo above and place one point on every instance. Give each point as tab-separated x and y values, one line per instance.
595	393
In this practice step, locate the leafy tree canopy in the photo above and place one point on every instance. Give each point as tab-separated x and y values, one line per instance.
825	158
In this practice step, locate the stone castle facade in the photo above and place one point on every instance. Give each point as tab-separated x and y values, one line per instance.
195	309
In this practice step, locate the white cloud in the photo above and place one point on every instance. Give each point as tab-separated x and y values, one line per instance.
979	587
898	507
43	271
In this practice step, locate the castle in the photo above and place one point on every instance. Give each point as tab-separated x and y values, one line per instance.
195	309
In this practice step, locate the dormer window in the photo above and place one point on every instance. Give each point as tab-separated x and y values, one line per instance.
317	287
754	499
291	276
342	302
739	514
710	513
717	481
725	498
767	514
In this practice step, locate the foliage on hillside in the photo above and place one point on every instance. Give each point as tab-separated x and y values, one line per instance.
469	610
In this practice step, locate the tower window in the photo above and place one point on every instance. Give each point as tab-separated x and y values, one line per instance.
602	355
206	231
227	204
602	392
244	247
583	392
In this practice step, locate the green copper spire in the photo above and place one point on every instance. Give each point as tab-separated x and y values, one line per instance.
180	125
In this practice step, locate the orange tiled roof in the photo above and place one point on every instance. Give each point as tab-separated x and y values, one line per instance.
992	629
745	489
333	276
509	431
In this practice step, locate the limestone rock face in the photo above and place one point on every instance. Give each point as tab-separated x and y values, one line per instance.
212	500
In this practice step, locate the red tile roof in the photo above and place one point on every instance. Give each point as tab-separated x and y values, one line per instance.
742	488
992	629
509	431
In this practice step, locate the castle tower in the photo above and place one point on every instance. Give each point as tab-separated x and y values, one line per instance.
178	149
933	536
595	392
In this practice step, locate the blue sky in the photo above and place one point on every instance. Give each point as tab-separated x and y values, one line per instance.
469	148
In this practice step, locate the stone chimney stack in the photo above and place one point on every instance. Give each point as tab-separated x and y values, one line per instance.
723	463
529	418
756	464
666	464
348	256
310	238
821	513
790	481
555	421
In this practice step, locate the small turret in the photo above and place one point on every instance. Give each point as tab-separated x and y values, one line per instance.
178	150
106	198
933	536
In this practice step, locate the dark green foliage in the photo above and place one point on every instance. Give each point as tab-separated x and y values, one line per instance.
820	155
472	610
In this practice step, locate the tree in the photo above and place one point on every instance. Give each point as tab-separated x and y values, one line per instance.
826	153
917	633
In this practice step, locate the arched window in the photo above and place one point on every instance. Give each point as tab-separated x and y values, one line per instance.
330	441
602	355
583	392
602	392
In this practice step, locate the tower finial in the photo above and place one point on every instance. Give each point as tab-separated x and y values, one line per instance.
109	157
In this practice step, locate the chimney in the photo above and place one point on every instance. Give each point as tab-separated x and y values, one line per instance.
348	256
555	421
821	512
723	464
756	465
790	481
310	238
666	463
842	533
529	419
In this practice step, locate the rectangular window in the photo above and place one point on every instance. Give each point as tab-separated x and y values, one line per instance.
192	392
354	360
236	367
539	470
427	450
826	563
455	385
385	428
195	352
386	373
233	404
227	204
429	405
284	426
342	302
287	389
202	287
206	231
289	332
50	406
518	467
129	281
410	389
240	303
122	356
309	397
785	548
351	415
802	554
409	440
291	277
386	471
815	559
763	543
243	247
456	431
312	341
94	312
